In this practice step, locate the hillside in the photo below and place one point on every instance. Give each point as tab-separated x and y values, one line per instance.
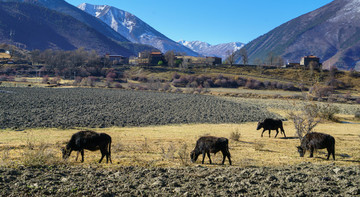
331	32
41	28
133	28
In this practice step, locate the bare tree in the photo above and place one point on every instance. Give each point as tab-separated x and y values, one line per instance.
230	57
279	61
258	62
306	120
244	55
270	58
170	58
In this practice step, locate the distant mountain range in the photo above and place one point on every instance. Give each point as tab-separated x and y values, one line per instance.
55	24
133	28
331	32
206	49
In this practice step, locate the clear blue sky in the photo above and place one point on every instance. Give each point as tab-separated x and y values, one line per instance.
213	21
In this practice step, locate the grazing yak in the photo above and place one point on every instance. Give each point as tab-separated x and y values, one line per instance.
314	140
89	140
210	144
271	124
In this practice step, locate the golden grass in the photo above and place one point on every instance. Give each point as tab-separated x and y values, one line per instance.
162	145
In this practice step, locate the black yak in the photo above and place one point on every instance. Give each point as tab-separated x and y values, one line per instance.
271	124
211	144
312	141
89	140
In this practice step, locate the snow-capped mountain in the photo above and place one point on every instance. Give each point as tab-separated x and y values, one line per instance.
206	49
133	28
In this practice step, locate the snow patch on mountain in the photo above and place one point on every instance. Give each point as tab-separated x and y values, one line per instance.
206	49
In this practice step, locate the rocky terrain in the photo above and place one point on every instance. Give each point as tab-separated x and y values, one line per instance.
304	179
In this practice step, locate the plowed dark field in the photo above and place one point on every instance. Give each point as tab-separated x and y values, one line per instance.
85	107
301	180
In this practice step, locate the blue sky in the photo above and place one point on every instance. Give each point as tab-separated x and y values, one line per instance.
213	21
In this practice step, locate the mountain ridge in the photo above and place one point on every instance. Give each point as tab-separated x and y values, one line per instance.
331	32
111	41
133	28
37	27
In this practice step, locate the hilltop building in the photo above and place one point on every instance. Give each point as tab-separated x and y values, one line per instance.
117	59
305	61
147	58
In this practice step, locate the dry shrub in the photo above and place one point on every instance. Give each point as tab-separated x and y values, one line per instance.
235	135
305	121
5	154
183	155
320	91
328	112
145	146
168	154
357	115
40	156
258	146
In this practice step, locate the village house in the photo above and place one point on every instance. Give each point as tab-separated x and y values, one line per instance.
117	59
305	61
147	58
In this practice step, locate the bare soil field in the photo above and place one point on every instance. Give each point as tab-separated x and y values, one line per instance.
300	180
85	107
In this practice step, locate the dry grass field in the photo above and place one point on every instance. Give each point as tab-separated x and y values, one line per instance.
169	146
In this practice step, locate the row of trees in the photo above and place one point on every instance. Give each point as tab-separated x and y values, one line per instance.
271	59
70	63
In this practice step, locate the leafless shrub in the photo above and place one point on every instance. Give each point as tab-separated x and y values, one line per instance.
306	120
39	156
169	153
328	112
145	146
55	80
258	146
357	115
235	135
118	85
5	154
183	154
45	79
320	91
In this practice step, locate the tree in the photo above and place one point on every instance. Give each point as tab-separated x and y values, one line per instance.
258	62
279	61
244	55
35	56
305	121
230	57
270	58
170	58
312	66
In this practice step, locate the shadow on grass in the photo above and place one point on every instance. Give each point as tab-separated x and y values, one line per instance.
246	142
267	150
288	138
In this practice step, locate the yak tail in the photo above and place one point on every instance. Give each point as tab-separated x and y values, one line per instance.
227	147
110	151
